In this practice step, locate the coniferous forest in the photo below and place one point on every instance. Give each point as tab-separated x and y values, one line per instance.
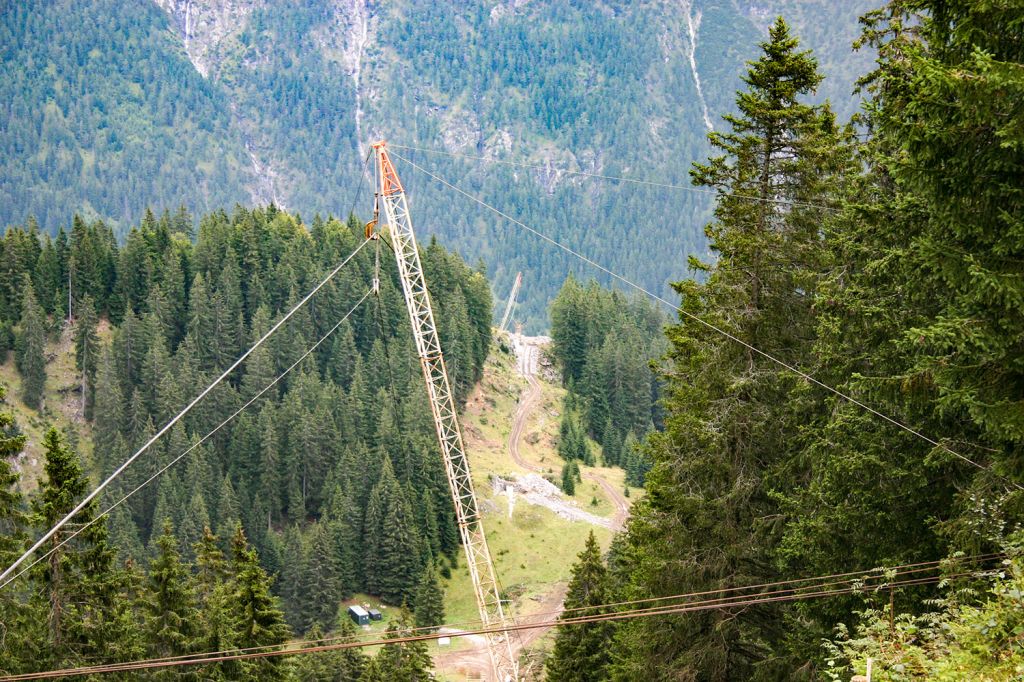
841	389
883	259
331	484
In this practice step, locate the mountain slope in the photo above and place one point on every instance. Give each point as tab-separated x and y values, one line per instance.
103	115
257	101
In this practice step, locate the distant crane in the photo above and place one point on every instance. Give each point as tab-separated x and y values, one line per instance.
511	302
397	221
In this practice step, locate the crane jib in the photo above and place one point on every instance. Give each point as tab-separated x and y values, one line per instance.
391	196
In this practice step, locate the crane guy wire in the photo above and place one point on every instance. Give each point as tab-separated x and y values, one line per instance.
618	178
194	445
713	327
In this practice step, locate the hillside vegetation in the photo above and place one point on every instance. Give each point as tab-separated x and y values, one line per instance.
112	108
333	478
886	266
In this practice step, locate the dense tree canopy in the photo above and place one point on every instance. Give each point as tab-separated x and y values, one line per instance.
888	268
334	474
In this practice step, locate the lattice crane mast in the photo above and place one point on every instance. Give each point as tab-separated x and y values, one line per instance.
391	196
511	302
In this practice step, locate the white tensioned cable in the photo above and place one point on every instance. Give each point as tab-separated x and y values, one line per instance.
616	178
117	472
195	445
715	328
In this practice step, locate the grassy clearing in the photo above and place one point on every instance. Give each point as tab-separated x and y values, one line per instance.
534	549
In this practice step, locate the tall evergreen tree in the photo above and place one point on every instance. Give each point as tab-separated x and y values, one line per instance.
109	415
13	522
404	662
258	619
568	479
392	562
12	517
581	651
64	485
214	591
172	616
917	318
731	411
342	665
428	605
31	349
324	575
87	353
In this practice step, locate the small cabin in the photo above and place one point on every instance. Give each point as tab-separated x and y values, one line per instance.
359	615
375	615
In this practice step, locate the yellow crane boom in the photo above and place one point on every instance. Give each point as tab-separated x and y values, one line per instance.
391	196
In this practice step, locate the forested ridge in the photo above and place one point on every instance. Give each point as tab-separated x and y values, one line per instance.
331	484
111	107
883	259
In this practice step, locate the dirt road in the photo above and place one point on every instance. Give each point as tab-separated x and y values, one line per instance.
527	403
474	662
616	497
527	354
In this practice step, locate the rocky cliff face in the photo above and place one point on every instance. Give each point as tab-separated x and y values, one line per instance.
609	87
208	27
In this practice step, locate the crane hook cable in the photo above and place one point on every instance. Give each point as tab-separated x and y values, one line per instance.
715	328
166	427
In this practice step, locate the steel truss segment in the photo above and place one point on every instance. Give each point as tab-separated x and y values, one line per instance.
442	405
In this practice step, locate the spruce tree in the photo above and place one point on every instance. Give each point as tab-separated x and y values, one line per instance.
919	321
581	652
270	484
405	662
64	485
124	536
731	411
109	415
87	352
214	588
342	665
229	513
12	517
13	522
392	562
294	577
341	519
47	279
171	614
568	479
428	605
31	350
193	521
324	575
257	617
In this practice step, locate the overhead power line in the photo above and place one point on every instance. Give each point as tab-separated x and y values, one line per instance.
166	427
618	178
713	327
192	447
333	644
